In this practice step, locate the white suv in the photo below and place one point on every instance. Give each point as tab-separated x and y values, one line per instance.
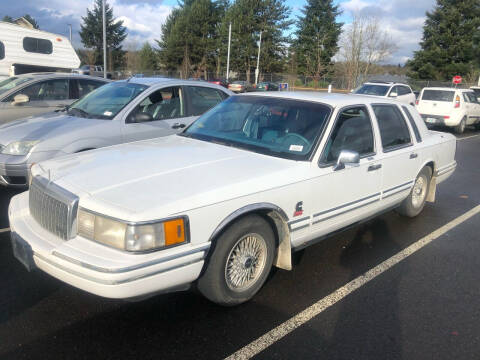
400	92
443	106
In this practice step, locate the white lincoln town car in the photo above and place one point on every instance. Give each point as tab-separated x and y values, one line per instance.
252	180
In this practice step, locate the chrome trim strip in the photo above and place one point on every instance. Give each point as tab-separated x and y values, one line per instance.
134	267
299	228
398	186
244	210
395	193
298	220
446	169
113	282
345	211
345	205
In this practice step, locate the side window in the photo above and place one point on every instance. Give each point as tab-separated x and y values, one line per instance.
35	45
352	131
466	98
472	97
203	99
394	91
393	129
412	123
45	90
86	86
2	51
403	90
166	103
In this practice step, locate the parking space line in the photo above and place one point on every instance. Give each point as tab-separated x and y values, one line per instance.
4	230
468	137
309	313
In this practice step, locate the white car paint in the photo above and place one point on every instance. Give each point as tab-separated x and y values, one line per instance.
449	113
212	184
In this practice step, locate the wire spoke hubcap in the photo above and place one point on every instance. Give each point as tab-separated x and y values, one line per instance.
419	191
246	262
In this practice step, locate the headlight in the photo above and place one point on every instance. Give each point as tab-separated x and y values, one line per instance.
131	237
19	147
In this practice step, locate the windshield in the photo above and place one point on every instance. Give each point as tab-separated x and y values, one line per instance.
12	82
378	90
438	95
268	125
106	101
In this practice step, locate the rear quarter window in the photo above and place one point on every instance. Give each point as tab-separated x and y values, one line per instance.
438	95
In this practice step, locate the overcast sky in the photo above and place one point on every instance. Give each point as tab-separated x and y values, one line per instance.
403	19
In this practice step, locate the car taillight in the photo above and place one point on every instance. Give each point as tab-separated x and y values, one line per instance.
416	102
266	87
457	101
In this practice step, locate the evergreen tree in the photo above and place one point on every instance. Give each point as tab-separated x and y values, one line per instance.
7	18
317	37
148	58
91	34
450	43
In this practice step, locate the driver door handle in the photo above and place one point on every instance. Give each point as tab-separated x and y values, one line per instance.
413	156
374	167
178	126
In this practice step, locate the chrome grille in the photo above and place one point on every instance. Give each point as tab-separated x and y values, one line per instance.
53	207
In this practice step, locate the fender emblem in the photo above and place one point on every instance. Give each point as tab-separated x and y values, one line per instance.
298	209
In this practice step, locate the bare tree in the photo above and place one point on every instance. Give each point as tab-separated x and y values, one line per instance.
363	44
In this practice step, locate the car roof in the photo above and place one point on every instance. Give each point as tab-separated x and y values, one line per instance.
446	88
332	99
386	83
53	75
150	81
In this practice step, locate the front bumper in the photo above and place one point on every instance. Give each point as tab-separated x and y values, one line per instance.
104	271
14	170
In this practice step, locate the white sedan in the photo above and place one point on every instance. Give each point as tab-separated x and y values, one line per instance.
218	205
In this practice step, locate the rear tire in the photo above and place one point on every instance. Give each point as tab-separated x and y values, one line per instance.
460	128
240	263
414	203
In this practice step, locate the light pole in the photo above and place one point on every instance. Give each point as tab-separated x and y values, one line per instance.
228	52
104	40
70	32
257	70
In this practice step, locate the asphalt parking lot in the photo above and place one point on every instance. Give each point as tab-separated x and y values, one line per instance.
423	307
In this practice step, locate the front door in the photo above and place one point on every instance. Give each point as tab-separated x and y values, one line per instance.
342	197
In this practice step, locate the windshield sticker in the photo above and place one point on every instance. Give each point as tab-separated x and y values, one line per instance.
296	148
107	113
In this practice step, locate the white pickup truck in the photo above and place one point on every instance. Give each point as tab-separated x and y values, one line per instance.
218	205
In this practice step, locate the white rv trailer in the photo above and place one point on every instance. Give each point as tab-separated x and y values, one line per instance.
24	50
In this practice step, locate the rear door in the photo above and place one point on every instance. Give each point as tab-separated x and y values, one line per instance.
399	159
474	110
405	95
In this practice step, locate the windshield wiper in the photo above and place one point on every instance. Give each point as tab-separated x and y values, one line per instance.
80	112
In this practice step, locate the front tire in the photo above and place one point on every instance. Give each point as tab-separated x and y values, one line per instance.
414	203
460	128
240	263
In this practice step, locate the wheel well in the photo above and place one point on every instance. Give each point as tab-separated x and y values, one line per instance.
431	164
278	223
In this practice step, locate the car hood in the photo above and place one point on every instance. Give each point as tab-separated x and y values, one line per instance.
167	175
41	127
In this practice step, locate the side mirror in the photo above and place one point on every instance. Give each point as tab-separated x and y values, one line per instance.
143	117
393	94
346	157
20	99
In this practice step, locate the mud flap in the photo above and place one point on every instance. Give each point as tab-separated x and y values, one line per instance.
432	189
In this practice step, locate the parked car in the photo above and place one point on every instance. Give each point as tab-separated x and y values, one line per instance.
443	106
400	92
34	94
221	82
252	180
240	86
92	70
122	111
266	86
